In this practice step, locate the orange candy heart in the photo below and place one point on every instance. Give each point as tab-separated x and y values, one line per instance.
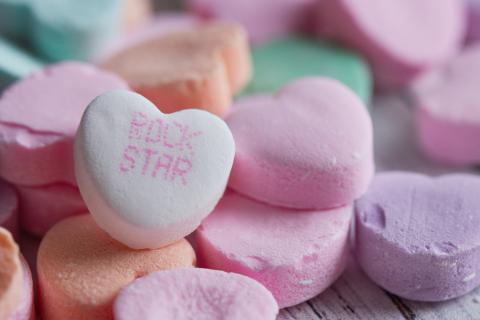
199	68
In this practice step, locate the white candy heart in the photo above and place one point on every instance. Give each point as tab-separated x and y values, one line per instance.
150	178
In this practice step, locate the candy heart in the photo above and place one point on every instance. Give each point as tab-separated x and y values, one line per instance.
448	110
400	39
310	146
198	68
264	20
81	269
418	237
294	254
196	293
273	67
150	178
60	30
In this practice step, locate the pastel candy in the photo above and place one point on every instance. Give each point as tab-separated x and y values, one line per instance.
309	146
8	208
11	277
192	293
42	207
39	117
81	269
158	176
74	29
418	237
25	309
447	112
273	65
15	63
199	68
400	39
294	254
264	20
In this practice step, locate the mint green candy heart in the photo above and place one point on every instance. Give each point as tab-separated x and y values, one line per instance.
279	62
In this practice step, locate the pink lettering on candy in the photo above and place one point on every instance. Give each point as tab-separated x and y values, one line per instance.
158	149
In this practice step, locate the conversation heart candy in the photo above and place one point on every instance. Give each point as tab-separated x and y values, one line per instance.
81	268
196	293
197	68
295	254
273	67
418	237
264	20
307	147
42	207
400	39
73	29
447	110
39	116
149	178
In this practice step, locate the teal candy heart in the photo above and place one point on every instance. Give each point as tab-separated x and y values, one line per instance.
281	61
62	29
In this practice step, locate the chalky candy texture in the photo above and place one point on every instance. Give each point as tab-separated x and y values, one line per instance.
447	112
198	68
295	254
418	237
400	39
191	293
81	269
25	309
264	20
278	62
39	117
8	208
15	63
309	146
42	207
158	176
11	277
74	29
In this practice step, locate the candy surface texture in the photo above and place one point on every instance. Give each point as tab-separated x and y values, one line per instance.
417	237
158	176
81	269
295	254
191	293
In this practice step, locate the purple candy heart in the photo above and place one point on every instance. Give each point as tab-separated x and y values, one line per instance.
419	237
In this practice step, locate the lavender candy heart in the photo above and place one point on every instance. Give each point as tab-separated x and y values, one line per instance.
419	237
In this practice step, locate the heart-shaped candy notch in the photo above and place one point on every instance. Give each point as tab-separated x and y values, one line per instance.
149	178
307	147
418	237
